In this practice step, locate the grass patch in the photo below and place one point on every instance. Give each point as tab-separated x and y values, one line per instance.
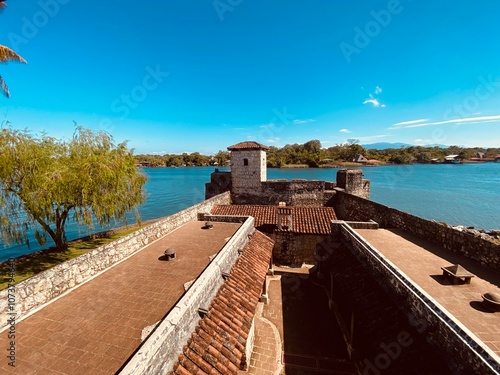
29	265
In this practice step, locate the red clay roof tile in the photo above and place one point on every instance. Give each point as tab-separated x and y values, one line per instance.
305	220
248	145
218	344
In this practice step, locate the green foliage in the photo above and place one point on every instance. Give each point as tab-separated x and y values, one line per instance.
44	182
31	264
6	54
185	159
312	154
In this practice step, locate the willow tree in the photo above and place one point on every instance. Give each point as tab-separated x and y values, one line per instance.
6	54
45	182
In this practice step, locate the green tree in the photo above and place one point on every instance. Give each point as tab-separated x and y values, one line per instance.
45	182
222	157
6	54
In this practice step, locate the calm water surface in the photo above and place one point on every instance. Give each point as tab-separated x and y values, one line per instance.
466	194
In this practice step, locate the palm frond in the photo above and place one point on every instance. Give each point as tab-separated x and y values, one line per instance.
6	54
3	88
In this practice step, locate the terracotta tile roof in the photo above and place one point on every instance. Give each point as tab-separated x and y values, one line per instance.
306	220
218	344
249	145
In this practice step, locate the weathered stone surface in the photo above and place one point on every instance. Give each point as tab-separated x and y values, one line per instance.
51	283
159	352
248	183
466	353
483	250
351	180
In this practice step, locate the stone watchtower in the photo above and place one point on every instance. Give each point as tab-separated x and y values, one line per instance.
248	170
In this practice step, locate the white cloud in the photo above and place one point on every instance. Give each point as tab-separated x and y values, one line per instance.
373	99
410	122
467	120
298	121
273	140
419	140
344	131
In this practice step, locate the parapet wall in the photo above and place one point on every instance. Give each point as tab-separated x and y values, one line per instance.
293	193
160	350
50	284
467	353
350	207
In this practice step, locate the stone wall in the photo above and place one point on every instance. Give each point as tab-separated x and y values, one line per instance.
468	354
159	352
293	250
50	284
351	181
349	207
293	193
220	182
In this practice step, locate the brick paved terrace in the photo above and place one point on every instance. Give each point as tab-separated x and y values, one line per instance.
96	327
421	261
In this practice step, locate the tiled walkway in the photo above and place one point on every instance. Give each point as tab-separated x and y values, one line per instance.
95	328
421	261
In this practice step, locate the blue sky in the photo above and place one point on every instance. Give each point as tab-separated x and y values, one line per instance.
200	75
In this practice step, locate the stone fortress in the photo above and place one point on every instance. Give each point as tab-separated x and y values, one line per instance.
248	183
273	203
267	277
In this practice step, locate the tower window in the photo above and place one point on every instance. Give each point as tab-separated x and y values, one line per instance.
245	161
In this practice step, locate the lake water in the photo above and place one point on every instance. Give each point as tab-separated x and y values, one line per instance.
465	194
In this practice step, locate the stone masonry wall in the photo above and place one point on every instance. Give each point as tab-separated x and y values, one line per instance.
351	180
248	177
293	250
47	285
160	350
293	193
468	355
220	182
350	207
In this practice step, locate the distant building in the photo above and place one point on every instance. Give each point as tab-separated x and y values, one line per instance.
452	159
360	159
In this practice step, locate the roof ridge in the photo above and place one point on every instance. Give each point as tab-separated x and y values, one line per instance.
218	343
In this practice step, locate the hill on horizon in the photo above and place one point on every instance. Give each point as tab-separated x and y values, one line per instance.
386	145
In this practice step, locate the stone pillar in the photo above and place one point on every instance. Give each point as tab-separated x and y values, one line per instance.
351	180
